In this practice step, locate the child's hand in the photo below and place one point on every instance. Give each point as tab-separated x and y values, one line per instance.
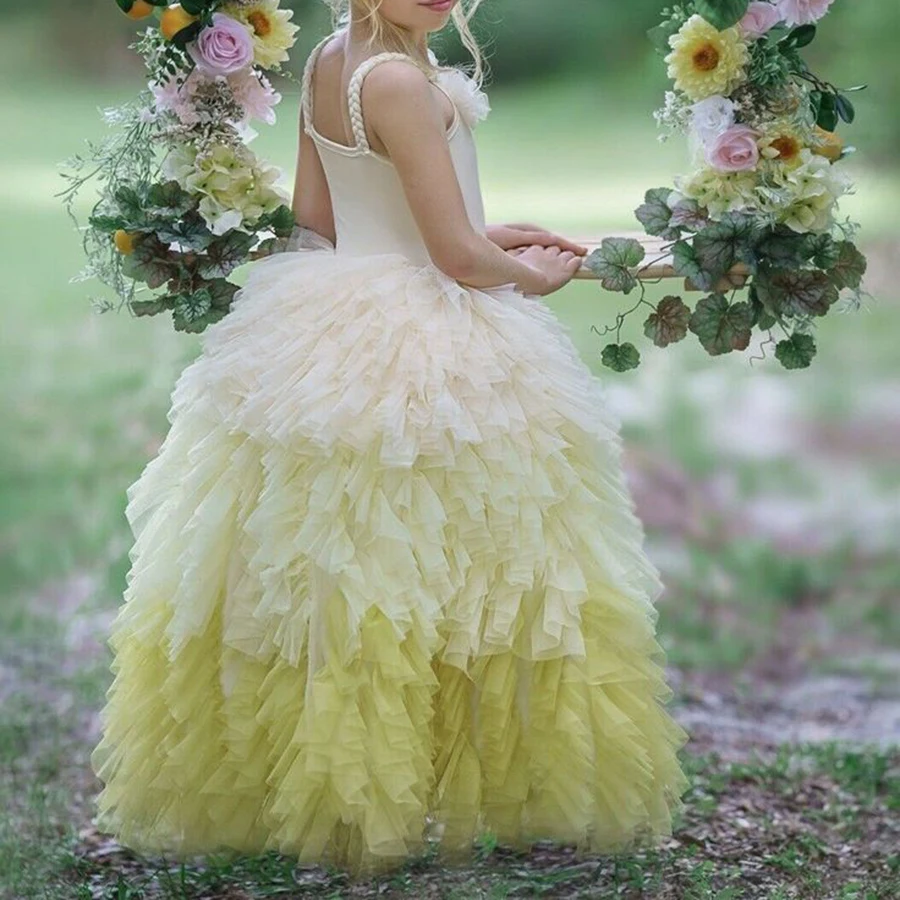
509	237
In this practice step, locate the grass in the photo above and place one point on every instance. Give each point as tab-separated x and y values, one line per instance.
84	406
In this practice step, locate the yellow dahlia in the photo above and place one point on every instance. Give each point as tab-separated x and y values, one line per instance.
705	61
273	33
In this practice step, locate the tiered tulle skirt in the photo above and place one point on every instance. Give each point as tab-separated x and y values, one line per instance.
386	571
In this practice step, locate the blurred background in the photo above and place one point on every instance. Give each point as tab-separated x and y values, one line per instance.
771	498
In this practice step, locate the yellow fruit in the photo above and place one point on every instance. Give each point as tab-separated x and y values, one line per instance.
828	144
140	9
173	20
124	242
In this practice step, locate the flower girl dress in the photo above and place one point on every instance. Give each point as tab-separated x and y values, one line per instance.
387	581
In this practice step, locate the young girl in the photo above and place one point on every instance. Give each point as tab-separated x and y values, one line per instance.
388	586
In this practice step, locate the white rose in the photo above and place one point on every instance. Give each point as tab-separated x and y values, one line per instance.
711	117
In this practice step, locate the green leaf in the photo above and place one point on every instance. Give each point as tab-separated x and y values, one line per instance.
169	200
844	108
612	260
191	232
150	262
655	214
270	247
796	292
799	37
108	224
620	357
659	36
721	244
221	293
688	214
722	13
827	116
149	307
761	316
225	254
722	327
191	308
281	221
796	352
850	267
125	5
823	250
686	264
669	323
196	7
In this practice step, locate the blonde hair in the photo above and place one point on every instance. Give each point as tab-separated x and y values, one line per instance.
386	34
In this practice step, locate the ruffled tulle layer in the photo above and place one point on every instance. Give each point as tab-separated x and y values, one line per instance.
386	569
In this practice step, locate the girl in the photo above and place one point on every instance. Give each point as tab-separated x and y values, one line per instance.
388	585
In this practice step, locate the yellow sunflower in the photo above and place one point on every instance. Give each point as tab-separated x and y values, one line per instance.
273	33
705	61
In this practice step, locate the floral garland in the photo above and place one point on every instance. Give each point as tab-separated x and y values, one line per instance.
183	199
763	192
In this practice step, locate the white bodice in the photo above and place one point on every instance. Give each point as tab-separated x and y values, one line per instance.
371	213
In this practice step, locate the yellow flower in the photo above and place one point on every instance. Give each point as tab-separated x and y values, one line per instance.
705	61
273	33
783	143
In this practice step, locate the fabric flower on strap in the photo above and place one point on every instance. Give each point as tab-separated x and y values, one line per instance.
470	100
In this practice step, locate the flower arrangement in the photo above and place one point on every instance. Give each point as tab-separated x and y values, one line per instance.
763	191
183	199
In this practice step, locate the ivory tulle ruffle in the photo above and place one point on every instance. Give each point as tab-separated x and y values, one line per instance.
385	568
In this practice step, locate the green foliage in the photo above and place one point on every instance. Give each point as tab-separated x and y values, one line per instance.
722	326
620	357
656	215
612	263
668	324
796	352
722	13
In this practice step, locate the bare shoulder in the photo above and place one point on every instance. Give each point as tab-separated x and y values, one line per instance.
393	80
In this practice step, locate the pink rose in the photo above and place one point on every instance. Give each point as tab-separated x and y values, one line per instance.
734	150
760	18
802	12
225	47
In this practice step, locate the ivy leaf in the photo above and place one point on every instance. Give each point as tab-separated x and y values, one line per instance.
796	352
720	326
191	308
796	292
169	200
686	264
190	232
688	213
722	13
221	293
150	262
270	247
761	316
280	220
225	254
655	214
149	307
612	260
850	267
620	357
823	250
720	245
669	323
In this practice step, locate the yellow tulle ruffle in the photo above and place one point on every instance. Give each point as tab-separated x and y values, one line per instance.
386	570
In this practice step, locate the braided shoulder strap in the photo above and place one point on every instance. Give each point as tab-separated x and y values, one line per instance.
354	89
306	100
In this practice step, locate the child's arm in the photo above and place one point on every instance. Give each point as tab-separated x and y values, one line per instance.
400	108
312	199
